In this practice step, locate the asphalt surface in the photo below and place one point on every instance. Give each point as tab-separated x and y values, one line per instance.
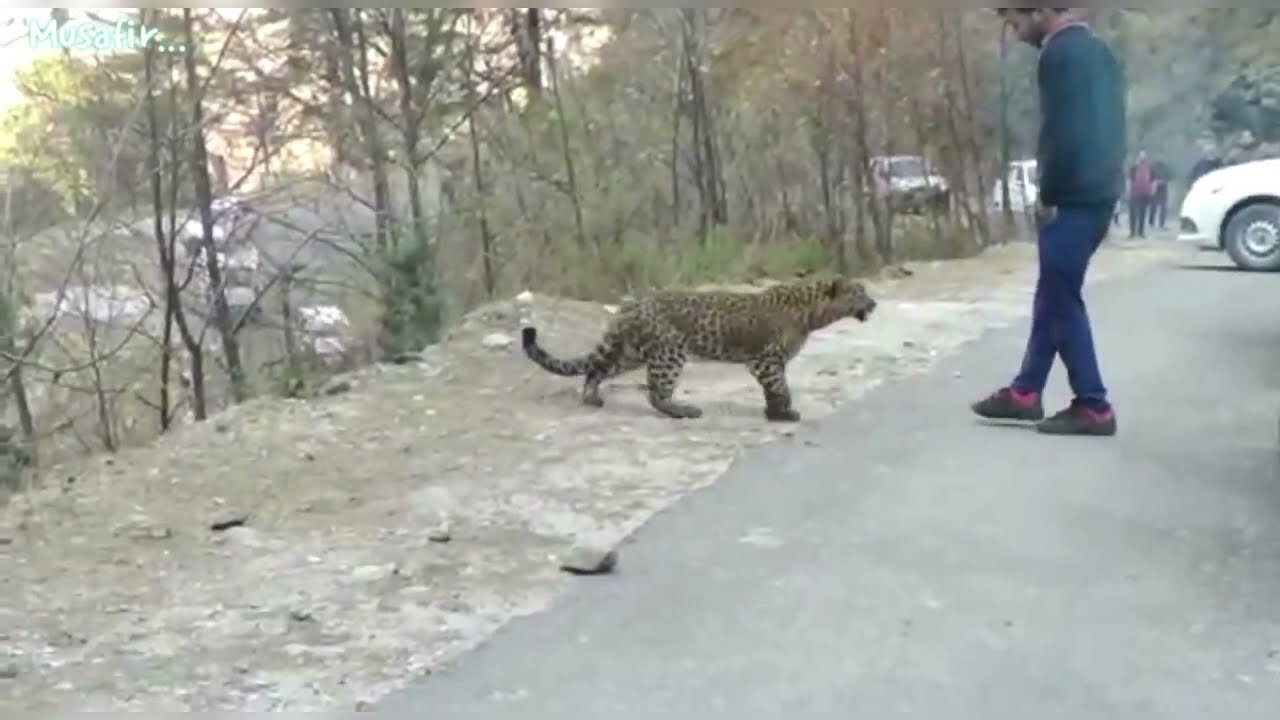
902	560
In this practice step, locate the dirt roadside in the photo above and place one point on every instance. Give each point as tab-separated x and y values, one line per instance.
394	525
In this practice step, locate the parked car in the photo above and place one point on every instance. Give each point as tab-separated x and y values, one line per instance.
230	214
909	185
1024	189
1237	209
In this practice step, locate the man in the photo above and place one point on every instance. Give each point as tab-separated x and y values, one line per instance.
1141	192
1206	165
1081	153
1160	176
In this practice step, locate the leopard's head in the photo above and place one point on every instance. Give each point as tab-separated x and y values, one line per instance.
846	298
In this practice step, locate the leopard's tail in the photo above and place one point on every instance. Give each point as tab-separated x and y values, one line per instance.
598	360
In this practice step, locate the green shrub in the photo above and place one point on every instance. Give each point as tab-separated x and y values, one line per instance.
413	308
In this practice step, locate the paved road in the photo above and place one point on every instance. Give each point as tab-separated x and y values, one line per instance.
916	564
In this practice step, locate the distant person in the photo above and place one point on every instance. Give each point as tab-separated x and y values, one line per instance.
1208	163
1141	192
1081	151
1160	176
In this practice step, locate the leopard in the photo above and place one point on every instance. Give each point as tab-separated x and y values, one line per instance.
662	331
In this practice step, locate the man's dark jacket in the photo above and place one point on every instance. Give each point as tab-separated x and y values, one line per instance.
1082	135
1202	168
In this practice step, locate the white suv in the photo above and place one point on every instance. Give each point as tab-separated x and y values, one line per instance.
230	214
1024	186
1237	209
909	184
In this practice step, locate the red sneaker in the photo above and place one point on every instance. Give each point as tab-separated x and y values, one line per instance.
1010	404
1079	419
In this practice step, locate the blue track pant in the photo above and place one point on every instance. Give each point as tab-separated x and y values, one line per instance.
1059	324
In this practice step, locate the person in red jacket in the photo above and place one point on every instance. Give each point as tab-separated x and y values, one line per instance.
1142	190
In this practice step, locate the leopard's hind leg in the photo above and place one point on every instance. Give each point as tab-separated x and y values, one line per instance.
664	369
614	360
591	385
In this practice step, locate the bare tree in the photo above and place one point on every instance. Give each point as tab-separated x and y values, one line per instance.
526	28
707	170
204	199
166	251
410	114
487	249
353	53
824	145
566	149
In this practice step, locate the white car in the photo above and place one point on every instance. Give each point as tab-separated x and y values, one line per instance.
1024	190
909	182
1237	209
229	214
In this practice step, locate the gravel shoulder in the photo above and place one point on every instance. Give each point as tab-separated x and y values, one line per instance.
381	531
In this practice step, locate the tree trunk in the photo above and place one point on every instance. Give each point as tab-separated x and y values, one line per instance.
1005	201
192	342
204	198
354	64
709	174
879	213
526	28
165	251
12	385
968	146
824	149
978	214
677	112
477	173
410	116
569	167
22	406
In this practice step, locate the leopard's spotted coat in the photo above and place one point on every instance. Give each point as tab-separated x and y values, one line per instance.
762	330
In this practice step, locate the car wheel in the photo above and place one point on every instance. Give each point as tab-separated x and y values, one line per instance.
1252	237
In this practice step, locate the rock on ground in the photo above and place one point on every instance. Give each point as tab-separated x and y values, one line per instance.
589	559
